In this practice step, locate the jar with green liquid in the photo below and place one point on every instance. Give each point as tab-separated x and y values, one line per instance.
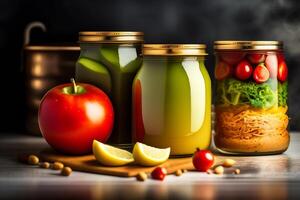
172	98
110	61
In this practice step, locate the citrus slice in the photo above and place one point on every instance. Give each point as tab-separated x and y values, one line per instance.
149	156
111	156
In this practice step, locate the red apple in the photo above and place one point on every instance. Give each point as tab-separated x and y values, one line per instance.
71	116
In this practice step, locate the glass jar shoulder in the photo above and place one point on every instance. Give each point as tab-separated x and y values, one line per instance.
125	57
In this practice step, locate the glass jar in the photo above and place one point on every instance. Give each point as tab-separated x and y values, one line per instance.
110	60
172	99
251	98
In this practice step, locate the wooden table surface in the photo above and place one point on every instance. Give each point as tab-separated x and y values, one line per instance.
262	177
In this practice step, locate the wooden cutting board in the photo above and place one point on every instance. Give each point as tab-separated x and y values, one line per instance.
88	163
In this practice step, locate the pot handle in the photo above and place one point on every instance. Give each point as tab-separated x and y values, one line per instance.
28	29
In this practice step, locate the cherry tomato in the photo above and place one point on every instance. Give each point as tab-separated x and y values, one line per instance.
261	74
243	70
159	173
256	58
203	160
272	65
282	71
232	58
222	70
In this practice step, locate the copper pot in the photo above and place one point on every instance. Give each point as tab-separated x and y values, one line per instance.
45	66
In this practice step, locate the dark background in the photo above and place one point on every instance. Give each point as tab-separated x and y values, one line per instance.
185	21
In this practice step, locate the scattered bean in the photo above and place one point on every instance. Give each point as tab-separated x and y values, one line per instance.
142	176
33	160
45	165
209	171
219	170
57	166
184	170
237	171
228	163
66	171
178	172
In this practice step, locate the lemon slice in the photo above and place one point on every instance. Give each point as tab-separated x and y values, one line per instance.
149	156
111	156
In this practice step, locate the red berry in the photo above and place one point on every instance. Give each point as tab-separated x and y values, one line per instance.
222	70
159	173
282	71
243	71
272	65
261	74
256	58
203	160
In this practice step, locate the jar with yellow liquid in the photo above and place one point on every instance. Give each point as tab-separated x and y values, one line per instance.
172	98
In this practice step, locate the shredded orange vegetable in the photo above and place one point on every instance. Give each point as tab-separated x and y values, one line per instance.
246	122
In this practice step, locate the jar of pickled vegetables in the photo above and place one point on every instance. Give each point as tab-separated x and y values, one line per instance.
172	98
251	97
110	60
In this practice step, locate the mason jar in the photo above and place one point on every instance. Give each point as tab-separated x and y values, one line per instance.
251	97
172	98
110	61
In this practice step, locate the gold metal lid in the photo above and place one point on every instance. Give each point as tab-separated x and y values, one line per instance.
111	37
52	48
248	45
174	49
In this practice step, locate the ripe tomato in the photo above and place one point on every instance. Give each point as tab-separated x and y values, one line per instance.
261	74
222	70
159	173
256	58
70	120
282	71
203	160
272	65
243	70
232	58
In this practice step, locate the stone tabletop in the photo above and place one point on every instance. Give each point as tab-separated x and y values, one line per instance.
273	177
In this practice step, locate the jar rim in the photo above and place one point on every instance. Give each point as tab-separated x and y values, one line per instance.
247	45
111	36
174	49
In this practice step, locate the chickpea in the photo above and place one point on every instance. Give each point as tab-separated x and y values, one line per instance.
66	171
178	172
45	165
184	170
219	170
228	163
57	166
237	171
33	160
142	176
